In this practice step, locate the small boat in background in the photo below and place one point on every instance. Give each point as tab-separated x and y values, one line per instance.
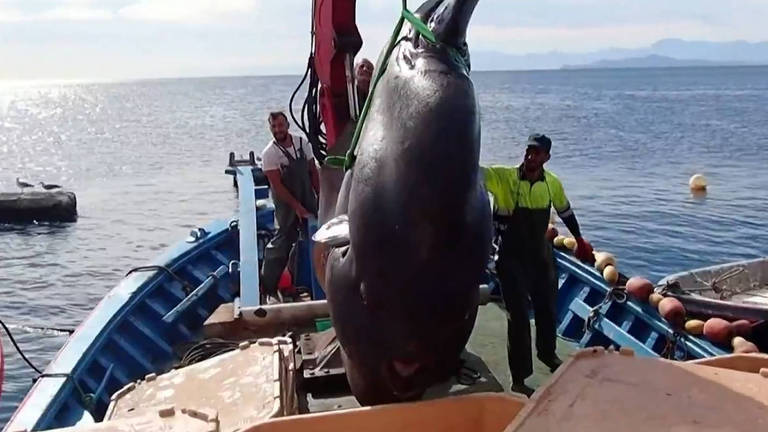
737	290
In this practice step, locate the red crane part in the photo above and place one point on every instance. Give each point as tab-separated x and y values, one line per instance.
337	40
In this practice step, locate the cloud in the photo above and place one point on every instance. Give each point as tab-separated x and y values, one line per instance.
122	38
76	13
187	10
10	15
68	10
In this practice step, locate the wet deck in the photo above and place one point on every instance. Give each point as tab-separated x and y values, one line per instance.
489	340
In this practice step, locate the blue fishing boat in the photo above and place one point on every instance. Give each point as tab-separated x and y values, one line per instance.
590	312
146	325
133	329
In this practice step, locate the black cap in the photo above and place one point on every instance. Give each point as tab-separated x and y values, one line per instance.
541	141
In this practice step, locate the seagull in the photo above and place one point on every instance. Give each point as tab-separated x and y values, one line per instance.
49	186
23	185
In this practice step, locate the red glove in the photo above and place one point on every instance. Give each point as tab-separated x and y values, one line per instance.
584	251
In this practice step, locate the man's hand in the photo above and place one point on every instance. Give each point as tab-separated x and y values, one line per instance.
584	251
301	212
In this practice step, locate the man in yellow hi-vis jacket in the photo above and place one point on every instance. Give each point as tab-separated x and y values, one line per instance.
523	196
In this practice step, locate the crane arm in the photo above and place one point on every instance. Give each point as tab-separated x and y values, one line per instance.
336	42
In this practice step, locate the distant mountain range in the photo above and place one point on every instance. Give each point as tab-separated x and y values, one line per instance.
652	61
664	53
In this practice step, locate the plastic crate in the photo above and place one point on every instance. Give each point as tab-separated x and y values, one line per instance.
480	412
603	391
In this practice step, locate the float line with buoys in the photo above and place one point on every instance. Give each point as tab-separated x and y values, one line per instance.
714	329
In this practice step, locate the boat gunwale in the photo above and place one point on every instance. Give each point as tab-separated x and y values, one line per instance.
713	268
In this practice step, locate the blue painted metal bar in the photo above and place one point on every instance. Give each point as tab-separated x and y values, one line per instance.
100	390
150	333
610	329
192	298
247	224
135	352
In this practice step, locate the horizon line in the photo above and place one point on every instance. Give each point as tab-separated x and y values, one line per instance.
14	82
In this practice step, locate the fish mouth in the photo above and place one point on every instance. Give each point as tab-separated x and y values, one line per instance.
448	21
407	379
405	369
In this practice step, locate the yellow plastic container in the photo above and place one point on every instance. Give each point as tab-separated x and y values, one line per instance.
479	412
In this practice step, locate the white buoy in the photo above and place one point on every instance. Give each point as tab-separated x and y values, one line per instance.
698	182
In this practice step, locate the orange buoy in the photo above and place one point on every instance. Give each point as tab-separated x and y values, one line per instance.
718	330
639	288
672	311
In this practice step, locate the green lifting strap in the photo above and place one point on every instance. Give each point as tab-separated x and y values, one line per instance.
348	161
419	25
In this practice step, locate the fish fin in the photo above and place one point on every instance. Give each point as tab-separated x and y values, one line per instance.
334	233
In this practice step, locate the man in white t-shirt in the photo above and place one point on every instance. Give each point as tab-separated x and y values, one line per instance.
289	164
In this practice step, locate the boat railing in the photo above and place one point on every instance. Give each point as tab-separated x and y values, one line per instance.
249	192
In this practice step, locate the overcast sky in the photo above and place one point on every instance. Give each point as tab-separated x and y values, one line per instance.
110	39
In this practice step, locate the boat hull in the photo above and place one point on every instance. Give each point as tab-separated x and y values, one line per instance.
134	331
